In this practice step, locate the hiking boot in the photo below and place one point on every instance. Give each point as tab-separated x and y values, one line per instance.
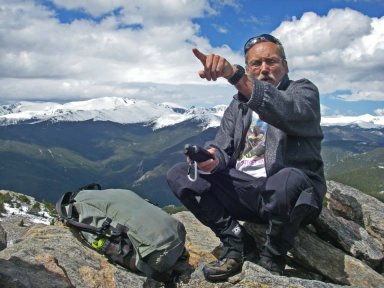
272	262
230	263
221	270
237	246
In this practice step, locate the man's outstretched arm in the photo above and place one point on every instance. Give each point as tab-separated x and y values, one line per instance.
216	66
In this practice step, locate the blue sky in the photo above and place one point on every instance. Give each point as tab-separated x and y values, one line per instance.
266	18
67	50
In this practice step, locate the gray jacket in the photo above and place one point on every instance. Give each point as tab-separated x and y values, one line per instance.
294	135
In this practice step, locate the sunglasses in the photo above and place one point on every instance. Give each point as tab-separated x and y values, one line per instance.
261	38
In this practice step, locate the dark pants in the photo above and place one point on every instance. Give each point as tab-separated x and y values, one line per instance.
281	201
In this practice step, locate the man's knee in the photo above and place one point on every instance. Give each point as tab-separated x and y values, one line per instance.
176	176
175	171
293	176
283	189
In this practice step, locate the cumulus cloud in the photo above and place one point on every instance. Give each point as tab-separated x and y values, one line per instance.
138	11
324	109
343	50
143	49
379	111
41	57
220	29
37	45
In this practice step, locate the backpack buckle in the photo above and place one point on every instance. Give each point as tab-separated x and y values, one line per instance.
104	227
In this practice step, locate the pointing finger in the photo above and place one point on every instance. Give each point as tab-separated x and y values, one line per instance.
202	57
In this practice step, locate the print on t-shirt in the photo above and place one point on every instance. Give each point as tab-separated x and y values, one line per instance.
251	160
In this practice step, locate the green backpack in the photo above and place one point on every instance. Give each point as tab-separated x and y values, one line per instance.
125	228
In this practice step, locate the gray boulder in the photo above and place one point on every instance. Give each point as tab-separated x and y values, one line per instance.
3	238
51	256
351	237
351	204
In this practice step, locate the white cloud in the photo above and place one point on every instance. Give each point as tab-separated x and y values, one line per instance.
42	46
148	11
379	111
358	95
150	57
343	50
324	109
43	58
220	29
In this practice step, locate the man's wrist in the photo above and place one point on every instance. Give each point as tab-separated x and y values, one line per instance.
239	73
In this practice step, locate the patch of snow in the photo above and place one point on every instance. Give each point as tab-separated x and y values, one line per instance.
43	218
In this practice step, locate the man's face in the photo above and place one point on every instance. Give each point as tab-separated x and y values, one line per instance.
264	62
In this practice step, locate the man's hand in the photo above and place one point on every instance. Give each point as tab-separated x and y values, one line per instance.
215	66
209	165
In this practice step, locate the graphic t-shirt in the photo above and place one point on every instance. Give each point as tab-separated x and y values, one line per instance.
251	160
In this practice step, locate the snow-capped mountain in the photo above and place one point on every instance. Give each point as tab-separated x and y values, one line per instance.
129	111
117	142
363	121
114	109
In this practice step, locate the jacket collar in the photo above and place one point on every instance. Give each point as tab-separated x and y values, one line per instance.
284	83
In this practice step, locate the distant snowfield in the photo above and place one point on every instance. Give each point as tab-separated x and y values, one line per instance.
130	111
44	217
364	121
17	199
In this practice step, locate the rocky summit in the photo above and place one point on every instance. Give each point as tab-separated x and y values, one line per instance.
344	248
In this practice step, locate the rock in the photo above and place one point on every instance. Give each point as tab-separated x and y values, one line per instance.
332	253
50	256
14	231
201	242
253	275
17	273
351	237
314	254
351	204
336	265
3	238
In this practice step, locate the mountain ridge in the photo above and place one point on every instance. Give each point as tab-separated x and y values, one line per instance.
113	109
129	111
55	156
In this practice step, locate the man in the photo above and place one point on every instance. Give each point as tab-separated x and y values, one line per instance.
267	166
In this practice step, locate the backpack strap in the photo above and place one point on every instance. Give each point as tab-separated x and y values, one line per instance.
65	215
89	228
66	199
